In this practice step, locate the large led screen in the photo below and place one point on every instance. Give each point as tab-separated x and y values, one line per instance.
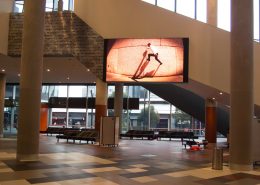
146	60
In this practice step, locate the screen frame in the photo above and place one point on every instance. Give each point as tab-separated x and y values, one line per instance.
185	61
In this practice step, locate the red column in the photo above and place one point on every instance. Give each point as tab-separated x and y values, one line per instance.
211	121
101	102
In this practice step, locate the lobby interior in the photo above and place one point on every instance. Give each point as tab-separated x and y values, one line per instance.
33	158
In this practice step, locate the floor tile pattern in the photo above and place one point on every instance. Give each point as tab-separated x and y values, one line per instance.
134	162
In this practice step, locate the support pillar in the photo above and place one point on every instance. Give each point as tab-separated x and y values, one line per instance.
242	78
31	81
60	5
212	12
118	104
101	102
2	103
211	122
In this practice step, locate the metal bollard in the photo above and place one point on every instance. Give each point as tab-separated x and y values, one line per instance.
217	159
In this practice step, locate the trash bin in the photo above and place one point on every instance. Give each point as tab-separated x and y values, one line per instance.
217	159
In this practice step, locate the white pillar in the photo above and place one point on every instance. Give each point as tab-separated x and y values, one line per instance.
118	103
101	102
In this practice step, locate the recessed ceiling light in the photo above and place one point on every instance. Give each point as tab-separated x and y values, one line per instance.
213	98
220	93
68	78
48	70
88	70
3	70
18	74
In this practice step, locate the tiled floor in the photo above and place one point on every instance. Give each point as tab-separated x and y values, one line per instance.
134	162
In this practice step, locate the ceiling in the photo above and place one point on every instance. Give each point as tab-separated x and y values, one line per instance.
66	70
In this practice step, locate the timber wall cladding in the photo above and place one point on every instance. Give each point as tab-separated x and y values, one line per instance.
65	35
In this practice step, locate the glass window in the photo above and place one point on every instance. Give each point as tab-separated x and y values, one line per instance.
18	6
65	4
186	7
77	118
201	10
181	120
256	20
167	4
111	91
150	1
71	5
91	91
45	93
77	91
51	5
224	14
159	112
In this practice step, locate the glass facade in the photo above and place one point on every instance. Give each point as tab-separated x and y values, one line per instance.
51	5
224	14
154	113
197	9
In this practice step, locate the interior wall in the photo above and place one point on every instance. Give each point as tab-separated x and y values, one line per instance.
6	6
209	53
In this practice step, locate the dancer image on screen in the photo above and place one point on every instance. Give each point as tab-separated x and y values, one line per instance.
153	52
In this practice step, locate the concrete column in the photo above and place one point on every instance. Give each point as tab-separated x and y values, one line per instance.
2	102
241	112
212	12
101	102
118	104
211	122
31	81
60	5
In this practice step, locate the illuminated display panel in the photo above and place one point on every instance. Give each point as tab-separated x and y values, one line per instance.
146	60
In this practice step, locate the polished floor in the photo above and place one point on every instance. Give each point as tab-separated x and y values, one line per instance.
134	162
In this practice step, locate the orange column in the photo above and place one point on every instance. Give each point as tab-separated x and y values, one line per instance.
211	121
2	102
44	117
101	102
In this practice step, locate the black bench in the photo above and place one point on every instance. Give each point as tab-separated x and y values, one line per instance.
139	134
176	135
87	135
59	130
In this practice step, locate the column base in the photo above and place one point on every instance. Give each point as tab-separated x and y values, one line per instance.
27	157
211	145
241	167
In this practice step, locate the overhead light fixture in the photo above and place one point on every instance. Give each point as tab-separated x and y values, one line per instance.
68	78
3	70
213	98
19	74
48	70
220	93
88	70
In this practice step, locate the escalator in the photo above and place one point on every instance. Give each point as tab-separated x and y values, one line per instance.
190	103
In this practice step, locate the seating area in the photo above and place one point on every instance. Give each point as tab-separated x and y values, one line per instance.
59	130
85	135
150	135
176	135
143	134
